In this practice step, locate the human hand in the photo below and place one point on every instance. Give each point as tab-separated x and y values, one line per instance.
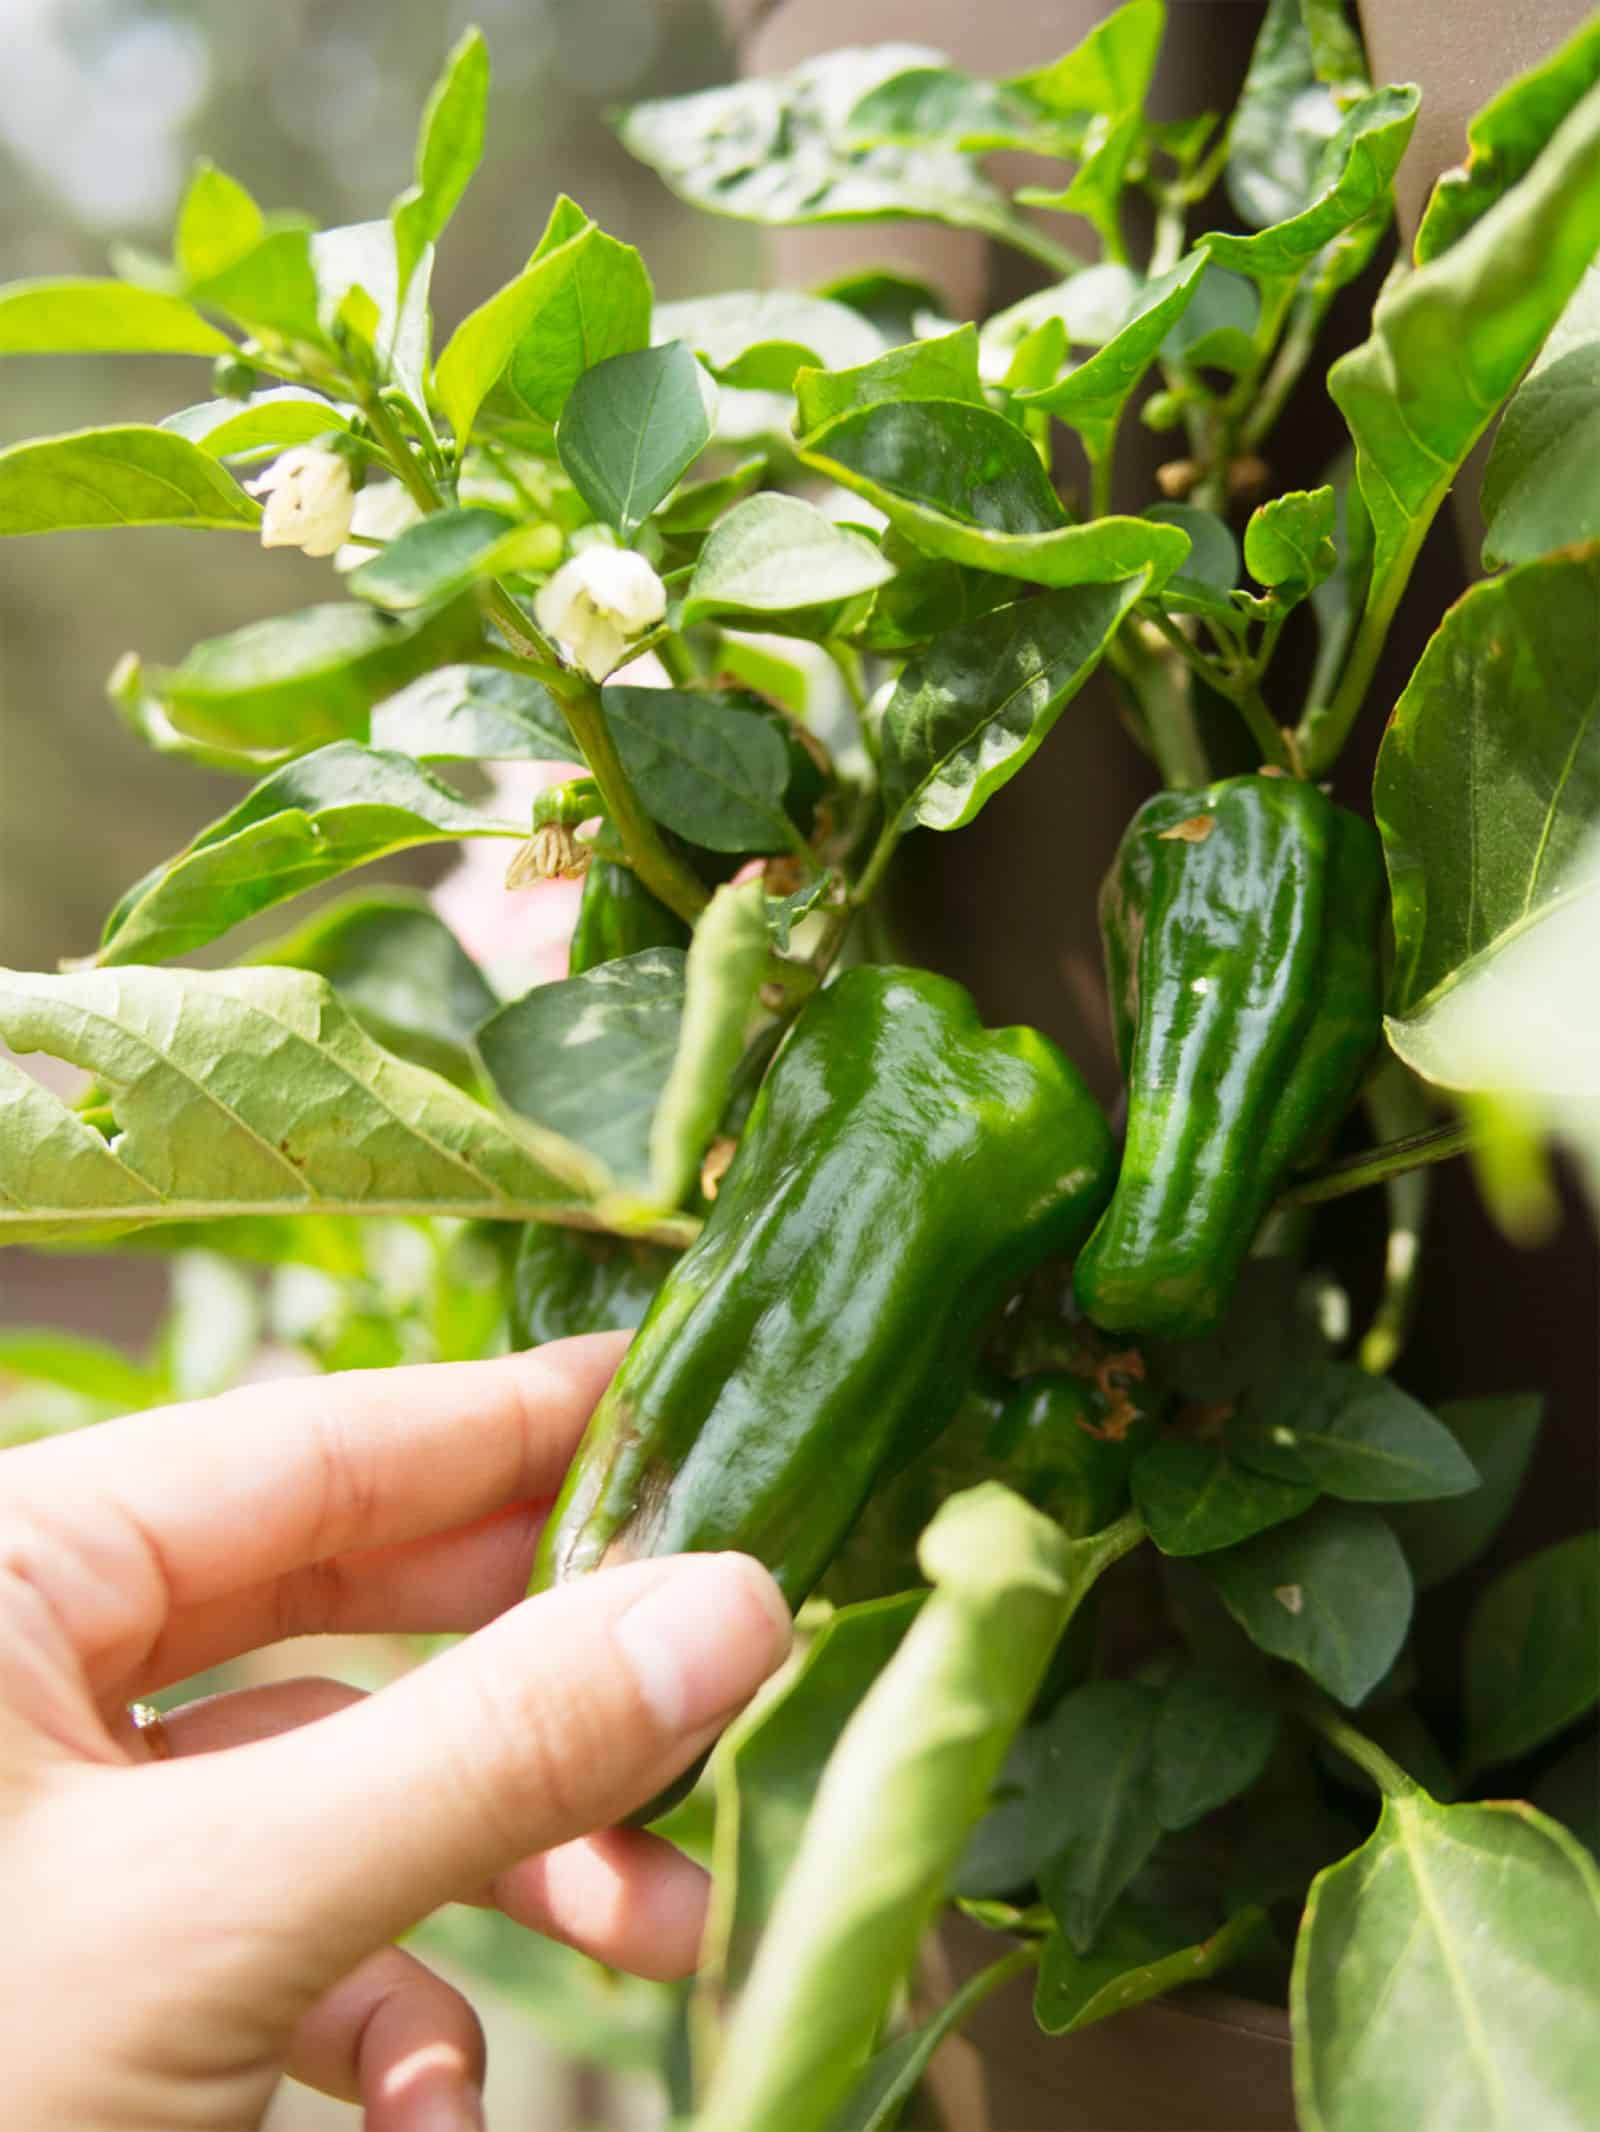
181	1932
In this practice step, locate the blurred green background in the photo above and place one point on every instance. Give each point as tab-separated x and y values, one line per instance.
313	104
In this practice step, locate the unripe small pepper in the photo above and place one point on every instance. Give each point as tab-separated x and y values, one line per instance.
1241	930
901	1169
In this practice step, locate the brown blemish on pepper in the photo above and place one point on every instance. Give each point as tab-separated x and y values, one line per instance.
1193	831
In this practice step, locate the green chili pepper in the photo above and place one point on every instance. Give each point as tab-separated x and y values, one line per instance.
1241	934
902	1168
569	1281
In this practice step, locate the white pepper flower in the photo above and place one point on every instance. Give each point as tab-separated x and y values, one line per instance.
597	604
310	500
383	510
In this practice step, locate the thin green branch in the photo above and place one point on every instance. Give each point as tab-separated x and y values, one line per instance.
1241	688
1367	1755
1355	1172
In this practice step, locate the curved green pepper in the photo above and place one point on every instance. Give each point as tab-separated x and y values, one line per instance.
619	916
569	1281
1241	933
902	1168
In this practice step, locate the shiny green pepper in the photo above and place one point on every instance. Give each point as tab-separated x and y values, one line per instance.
1241	927
569	1281
619	916
901	1169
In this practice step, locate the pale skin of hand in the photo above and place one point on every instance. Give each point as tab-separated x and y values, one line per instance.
180	1933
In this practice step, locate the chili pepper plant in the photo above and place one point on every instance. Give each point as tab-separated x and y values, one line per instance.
1103	1515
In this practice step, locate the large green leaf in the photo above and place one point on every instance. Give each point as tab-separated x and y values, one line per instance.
474	714
911	1774
1356	172
587	1058
218	222
943	368
1505	139
1108	72
1533	1651
1332	1426
1447	1977
73	317
232	429
244	1092
1091	398
447	553
1498	1436
1488	782
1092	1814
1195	1499
1137	1956
758	338
1450	339
941	107
591	300
968	712
449	146
1214	1735
705	766
268	288
778	150
136	475
722	977
315	819
632	426
296	680
1283	120
401	972
772	554
964	483
1542	480
1330	1592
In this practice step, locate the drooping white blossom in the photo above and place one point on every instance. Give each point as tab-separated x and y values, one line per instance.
597	604
310	500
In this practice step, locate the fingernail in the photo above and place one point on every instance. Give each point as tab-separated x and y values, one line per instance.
704	1639
446	2109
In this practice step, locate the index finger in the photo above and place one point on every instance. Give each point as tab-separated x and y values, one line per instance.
208	1498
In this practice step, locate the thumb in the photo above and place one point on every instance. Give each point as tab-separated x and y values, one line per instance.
560	1717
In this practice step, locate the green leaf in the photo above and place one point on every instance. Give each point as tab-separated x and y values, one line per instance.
911	1774
297	680
758	338
1533	1652
1195	1499
231	429
444	554
1289	541
722	977
1335	45
474	714
1447	1977
965	484
218	223
1109	145
1093	1819
1488	780
1210	570
926	597
1217	328
1332	1426
631	428
244	1092
340	807
1329	1592
400	971
449	148
1505	139
767	1772
135	475
1091	399
1498	1436
695	506
590	300
944	368
1569	1791
270	289
587	1058
1282	122
1353	181
941	107
1136	1957
359	290
705	768
93	1369
968	712
1541	486
83	317
1214	1735
1109	71
892	2074
777	151
775	553
1450	339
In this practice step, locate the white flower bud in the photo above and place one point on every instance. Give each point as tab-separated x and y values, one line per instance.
383	510
309	500
596	605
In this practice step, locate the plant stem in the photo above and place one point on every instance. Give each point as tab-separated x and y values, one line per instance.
1292	356
1242	690
1355	1172
1324	730
1366	1754
409	469
870	879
